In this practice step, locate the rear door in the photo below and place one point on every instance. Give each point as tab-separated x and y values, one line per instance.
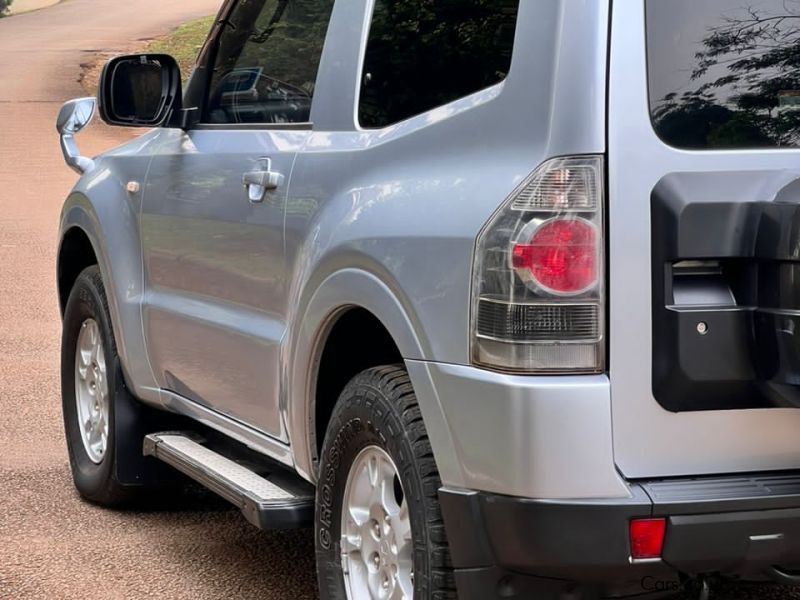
212	222
704	222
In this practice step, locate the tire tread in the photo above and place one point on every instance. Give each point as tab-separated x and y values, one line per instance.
394	383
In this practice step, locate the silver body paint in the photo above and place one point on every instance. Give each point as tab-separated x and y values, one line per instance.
220	306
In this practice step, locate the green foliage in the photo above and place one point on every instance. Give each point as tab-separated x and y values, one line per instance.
5	5
286	37
183	44
752	60
421	53
450	48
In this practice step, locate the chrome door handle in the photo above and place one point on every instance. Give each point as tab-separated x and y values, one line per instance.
259	182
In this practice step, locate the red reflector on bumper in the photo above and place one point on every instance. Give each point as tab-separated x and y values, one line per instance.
647	538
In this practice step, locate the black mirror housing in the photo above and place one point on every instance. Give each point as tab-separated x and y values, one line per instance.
141	90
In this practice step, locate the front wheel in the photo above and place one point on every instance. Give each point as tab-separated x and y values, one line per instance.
103	438
379	530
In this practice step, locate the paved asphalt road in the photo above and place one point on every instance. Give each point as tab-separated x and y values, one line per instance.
52	545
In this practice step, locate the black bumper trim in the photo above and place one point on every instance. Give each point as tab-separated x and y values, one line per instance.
558	538
742	543
740	526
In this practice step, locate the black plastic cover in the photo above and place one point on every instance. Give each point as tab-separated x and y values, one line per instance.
726	302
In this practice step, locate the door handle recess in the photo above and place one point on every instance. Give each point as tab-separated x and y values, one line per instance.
258	183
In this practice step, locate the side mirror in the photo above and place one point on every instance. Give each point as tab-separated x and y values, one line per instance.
72	118
142	90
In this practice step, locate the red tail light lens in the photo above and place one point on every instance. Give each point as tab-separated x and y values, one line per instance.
561	256
647	538
538	290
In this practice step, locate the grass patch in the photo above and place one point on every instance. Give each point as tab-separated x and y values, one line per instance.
183	44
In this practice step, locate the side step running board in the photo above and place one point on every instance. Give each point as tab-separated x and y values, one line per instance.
268	502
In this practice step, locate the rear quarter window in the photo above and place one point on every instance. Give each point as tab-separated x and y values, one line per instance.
724	74
422	54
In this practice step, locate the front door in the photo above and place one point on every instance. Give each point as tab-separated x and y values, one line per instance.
213	216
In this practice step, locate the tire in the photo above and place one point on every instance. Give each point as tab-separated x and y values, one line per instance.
97	480
377	413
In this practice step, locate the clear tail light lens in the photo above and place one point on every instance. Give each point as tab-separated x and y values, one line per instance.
538	303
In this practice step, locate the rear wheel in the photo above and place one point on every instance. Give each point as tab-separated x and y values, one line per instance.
92	392
379	529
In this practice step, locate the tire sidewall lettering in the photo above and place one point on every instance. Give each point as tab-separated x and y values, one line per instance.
329	493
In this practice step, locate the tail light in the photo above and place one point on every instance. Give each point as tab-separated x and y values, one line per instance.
539	274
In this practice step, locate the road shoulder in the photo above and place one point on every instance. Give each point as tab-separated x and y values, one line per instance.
22	6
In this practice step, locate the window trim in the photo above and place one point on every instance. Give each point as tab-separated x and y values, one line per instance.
366	29
304	126
203	125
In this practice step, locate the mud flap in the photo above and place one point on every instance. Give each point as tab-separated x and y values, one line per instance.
132	422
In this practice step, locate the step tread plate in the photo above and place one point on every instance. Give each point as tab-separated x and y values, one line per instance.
223	468
725	494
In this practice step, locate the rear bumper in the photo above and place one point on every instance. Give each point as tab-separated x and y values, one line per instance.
505	547
517	435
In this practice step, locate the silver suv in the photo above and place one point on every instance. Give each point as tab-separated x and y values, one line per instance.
499	295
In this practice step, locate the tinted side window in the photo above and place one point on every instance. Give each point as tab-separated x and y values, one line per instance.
425	53
725	73
267	60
